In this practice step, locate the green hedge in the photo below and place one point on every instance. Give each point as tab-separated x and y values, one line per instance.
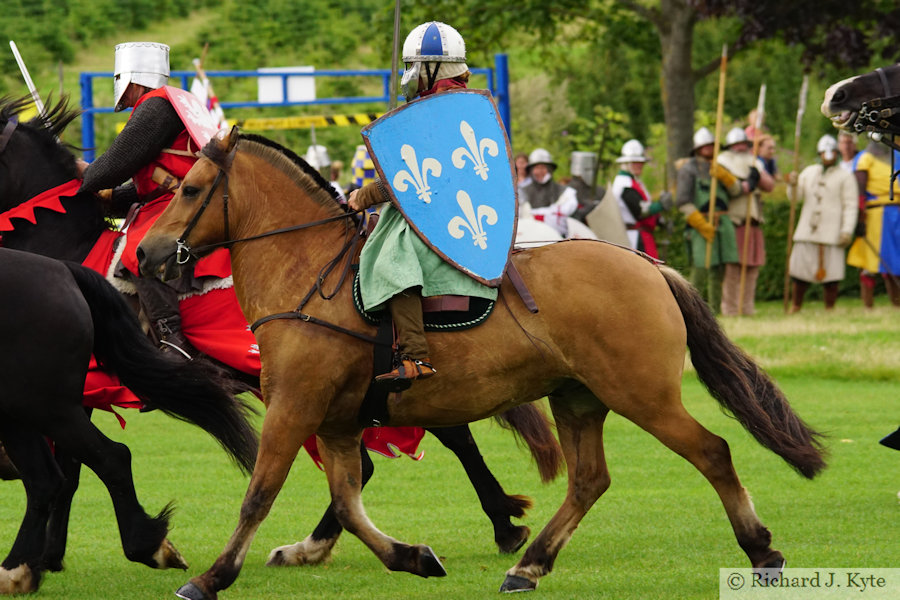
670	237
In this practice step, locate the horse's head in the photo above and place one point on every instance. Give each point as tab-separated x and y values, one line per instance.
32	159
240	181
196	216
844	100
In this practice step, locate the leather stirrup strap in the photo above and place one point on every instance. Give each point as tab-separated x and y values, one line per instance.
516	279
373	411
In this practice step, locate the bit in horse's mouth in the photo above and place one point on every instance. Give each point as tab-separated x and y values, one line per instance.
844	120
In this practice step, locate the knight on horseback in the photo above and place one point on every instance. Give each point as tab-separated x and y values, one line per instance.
396	267
154	150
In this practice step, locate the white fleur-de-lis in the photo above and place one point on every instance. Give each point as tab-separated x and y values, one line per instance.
472	222
415	176
475	151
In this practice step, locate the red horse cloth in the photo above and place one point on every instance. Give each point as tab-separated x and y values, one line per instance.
387	441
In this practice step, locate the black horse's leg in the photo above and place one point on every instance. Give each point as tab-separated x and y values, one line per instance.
497	505
143	537
58	523
29	452
316	548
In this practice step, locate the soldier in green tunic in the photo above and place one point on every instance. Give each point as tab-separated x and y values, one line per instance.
692	200
396	267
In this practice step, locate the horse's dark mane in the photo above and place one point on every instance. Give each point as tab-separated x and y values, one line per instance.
47	127
306	177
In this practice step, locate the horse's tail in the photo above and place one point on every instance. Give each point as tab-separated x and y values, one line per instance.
191	391
533	427
741	386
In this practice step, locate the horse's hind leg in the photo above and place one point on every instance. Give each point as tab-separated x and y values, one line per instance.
342	465
316	548
58	523
496	503
21	571
579	423
143	537
679	431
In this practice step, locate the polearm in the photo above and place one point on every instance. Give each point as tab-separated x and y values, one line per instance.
760	111
720	109
28	82
395	50
801	108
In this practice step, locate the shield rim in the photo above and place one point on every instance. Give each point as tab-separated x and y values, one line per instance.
495	282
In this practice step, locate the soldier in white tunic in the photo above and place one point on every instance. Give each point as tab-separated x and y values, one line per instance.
745	212
825	227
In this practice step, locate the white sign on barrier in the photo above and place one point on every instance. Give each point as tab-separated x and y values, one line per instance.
299	88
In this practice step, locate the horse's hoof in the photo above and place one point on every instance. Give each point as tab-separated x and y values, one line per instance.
20	580
307	552
168	557
429	565
189	591
514	583
515	539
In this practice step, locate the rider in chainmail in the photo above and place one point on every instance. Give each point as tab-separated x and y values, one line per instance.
149	131
154	151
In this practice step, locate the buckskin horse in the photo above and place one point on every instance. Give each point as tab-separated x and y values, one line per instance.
609	335
53	316
73	226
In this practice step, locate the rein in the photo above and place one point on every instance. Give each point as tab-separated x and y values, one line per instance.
183	254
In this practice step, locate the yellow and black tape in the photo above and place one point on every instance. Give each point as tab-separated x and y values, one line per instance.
305	121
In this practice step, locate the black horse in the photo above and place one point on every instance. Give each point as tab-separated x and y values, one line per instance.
53	316
32	161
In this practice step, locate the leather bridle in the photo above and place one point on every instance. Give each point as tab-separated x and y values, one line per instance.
352	237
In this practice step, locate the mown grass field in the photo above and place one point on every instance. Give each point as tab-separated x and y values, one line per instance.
659	532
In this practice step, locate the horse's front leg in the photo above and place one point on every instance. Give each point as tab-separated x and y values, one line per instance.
285	426
342	464
316	548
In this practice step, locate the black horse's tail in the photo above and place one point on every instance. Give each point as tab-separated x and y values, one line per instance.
533	427
741	386
191	391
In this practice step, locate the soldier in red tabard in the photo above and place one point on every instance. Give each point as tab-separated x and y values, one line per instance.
156	149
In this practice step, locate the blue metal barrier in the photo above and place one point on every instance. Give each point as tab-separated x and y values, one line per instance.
499	88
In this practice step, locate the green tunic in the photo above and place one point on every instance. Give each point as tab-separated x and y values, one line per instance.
395	259
724	246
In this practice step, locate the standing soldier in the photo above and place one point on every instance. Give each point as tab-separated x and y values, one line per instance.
692	200
826	225
155	150
745	212
639	211
547	200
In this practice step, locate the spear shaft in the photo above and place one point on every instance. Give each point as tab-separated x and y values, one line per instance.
720	110
801	108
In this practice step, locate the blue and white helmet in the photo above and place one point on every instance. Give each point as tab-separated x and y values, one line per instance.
439	47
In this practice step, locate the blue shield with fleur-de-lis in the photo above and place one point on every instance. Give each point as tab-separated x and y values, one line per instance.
447	163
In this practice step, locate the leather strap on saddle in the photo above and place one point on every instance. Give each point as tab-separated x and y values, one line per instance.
519	284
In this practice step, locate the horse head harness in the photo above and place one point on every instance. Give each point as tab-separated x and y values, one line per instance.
183	252
876	115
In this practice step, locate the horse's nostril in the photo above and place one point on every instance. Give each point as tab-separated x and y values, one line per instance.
839	96
139	253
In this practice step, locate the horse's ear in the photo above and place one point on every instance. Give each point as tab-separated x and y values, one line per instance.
231	140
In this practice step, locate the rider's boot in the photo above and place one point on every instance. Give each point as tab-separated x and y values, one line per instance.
160	305
413	362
